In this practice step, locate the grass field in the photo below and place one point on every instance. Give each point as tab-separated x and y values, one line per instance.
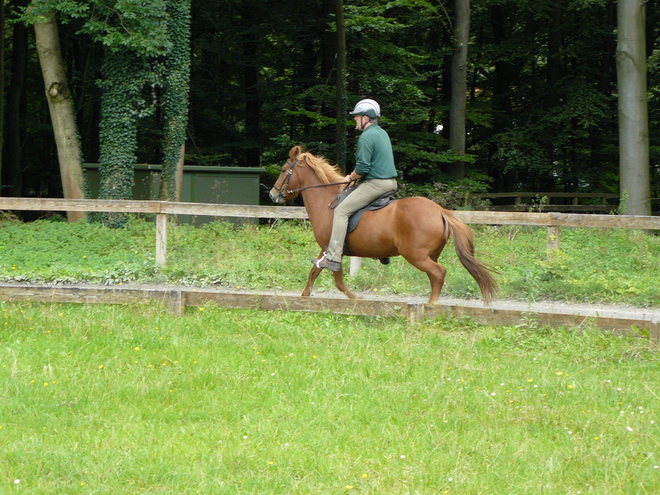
130	400
597	266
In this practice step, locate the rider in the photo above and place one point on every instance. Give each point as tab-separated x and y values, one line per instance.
374	165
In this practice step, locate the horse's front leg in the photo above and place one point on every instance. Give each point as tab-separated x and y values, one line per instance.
313	274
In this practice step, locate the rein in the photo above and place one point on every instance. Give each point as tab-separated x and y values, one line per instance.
288	178
313	187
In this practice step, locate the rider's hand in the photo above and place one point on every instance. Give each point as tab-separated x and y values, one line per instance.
348	178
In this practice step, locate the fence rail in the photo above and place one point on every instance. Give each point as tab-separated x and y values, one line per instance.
549	201
552	221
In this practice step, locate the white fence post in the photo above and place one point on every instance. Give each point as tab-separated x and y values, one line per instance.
161	238
356	263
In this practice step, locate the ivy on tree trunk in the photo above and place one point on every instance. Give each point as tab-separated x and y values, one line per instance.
176	96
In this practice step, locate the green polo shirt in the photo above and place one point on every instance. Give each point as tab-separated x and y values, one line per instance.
374	158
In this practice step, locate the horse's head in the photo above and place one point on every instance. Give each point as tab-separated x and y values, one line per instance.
304	171
281	190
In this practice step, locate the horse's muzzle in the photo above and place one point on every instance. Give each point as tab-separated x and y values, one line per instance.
276	196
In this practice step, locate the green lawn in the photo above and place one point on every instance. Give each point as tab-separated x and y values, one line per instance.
593	265
131	400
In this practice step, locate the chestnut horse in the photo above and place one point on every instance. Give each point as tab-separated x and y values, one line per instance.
415	228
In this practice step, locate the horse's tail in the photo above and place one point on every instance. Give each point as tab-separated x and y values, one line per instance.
464	244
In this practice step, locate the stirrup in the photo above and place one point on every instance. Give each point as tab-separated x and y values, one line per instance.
324	262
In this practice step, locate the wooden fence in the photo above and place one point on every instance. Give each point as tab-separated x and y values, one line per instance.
552	201
552	221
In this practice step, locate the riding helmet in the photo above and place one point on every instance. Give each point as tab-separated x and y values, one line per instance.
367	107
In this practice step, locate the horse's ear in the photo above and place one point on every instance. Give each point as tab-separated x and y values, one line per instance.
295	152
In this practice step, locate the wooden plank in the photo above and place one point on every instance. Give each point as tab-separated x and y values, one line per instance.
229	210
177	299
544	194
504	317
78	294
605	221
555	208
291	212
270	302
58	204
503	218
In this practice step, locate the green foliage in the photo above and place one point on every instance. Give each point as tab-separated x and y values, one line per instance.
451	194
541	110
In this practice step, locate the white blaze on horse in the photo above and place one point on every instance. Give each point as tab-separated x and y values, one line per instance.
415	228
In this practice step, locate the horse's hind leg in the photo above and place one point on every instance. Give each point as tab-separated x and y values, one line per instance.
435	272
339	282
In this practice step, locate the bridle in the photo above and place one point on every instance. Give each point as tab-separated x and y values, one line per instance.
282	191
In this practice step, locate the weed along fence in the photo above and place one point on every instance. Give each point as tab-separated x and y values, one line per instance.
177	299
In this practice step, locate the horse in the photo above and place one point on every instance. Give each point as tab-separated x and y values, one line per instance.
415	228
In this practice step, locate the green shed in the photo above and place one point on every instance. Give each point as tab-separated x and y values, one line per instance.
201	184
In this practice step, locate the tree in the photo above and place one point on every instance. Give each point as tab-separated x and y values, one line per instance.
175	99
633	109
2	82
135	37
16	109
60	105
458	103
340	85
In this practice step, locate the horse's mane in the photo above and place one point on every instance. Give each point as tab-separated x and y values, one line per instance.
325	171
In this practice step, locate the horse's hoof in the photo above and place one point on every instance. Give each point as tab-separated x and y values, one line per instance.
384	261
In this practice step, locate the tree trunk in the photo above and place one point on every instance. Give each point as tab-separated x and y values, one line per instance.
176	100
251	87
61	110
634	165
16	109
458	103
341	86
2	85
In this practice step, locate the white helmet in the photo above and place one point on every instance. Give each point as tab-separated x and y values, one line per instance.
367	107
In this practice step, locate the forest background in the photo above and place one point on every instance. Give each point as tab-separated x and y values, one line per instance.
541	80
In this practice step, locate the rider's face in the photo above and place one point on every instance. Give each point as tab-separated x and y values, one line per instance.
359	122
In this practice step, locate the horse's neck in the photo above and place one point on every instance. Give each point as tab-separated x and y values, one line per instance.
320	216
317	201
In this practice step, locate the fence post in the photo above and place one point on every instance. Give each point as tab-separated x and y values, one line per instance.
553	239
161	238
356	263
415	312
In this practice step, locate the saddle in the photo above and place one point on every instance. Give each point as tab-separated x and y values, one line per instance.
353	221
376	204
